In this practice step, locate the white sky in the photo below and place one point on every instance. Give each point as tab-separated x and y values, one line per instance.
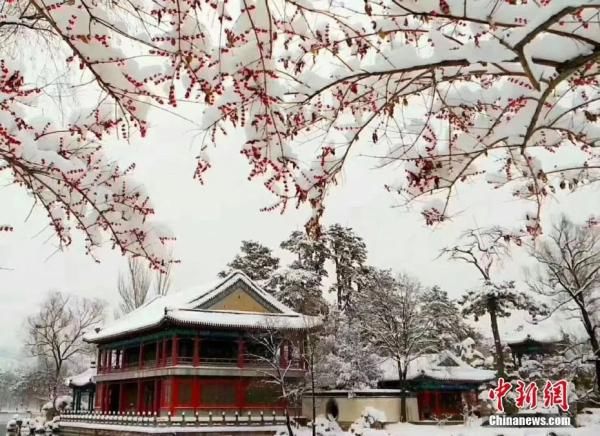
210	221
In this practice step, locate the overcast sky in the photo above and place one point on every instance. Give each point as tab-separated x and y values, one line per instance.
211	220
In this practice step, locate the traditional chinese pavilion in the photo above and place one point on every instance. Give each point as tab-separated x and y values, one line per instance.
84	389
532	340
442	382
197	351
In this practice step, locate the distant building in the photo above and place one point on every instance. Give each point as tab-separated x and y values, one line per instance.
442	383
84	389
533	340
197	351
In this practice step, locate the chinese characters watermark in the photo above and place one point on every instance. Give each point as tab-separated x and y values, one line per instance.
554	394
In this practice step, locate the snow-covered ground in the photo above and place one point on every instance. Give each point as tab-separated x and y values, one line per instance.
589	426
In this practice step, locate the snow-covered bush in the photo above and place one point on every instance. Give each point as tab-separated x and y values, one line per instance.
369	418
327	427
324	427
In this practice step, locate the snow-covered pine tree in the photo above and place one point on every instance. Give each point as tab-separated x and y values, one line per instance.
484	248
299	288
299	284
345	358
448	322
498	300
310	254
348	253
255	260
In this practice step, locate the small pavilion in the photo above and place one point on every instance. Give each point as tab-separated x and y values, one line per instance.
84	389
442	382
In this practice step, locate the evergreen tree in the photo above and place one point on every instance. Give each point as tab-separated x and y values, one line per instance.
310	254
299	284
483	249
299	289
348	253
498	300
255	260
448	322
346	360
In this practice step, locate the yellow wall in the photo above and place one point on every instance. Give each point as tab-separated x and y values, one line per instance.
350	409
241	301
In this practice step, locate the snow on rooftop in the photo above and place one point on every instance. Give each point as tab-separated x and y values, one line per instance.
86	377
183	307
441	366
548	331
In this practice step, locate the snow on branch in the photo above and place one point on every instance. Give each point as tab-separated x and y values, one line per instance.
450	90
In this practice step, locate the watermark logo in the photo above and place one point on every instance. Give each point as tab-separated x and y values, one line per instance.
530	420
554	394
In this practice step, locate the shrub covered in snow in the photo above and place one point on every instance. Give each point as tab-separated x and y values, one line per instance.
369	418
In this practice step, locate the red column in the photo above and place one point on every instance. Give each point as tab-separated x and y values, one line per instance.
141	356
164	352
175	349
98	397
156	402
283	355
98	362
174	394
196	351
157	354
240	393
139	396
195	393
437	403
241	352
109	360
122	407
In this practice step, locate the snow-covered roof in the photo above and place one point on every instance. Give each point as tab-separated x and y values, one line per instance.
443	366
190	307
545	332
86	377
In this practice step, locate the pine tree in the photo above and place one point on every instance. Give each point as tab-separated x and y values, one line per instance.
483	249
447	320
346	359
498	300
310	254
348	253
299	284
299	289
255	260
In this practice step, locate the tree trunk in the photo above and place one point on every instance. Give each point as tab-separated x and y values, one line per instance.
589	328
497	343
339	285
402	386
312	383
288	423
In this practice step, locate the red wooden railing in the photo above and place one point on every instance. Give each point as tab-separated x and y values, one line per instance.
171	359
